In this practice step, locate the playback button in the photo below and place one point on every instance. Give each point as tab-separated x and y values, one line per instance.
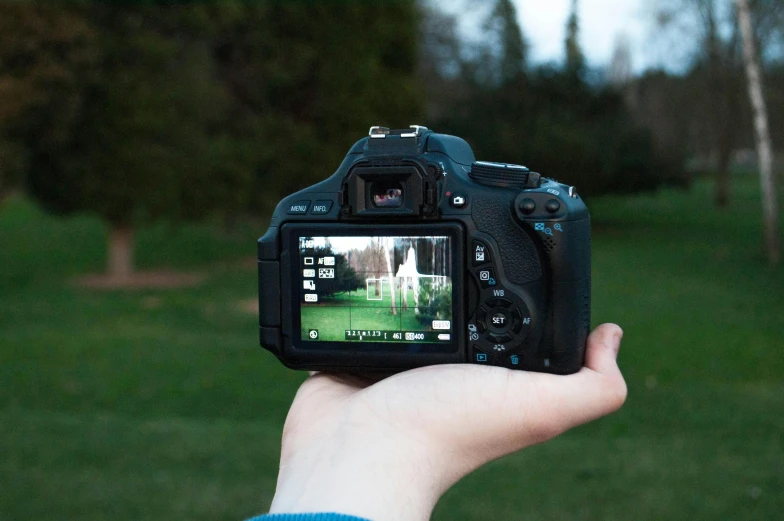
479	356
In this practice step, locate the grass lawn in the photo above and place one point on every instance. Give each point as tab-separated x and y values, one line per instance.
333	316
158	404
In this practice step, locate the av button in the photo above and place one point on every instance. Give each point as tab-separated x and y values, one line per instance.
480	253
321	207
299	208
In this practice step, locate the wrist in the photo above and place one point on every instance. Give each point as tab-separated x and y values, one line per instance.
381	480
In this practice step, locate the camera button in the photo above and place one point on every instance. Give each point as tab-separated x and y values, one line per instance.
458	201
499	338
486	277
481	320
513	360
321	207
499	303
299	208
553	205
499	321
480	357
527	206
480	253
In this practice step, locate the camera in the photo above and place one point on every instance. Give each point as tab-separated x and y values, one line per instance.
413	253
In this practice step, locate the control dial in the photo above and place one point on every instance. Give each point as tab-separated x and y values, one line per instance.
503	175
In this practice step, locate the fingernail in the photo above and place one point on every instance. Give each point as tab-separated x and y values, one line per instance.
616	341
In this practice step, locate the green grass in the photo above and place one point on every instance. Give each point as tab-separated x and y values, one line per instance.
159	404
345	311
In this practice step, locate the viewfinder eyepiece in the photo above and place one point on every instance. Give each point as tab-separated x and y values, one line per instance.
387	194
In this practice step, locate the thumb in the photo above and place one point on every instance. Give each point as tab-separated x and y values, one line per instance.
596	390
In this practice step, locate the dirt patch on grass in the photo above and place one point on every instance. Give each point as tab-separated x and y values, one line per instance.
140	280
250	305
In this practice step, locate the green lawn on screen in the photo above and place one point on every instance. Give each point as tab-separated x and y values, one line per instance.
159	404
334	316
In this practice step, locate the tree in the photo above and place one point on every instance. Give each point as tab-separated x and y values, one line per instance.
45	53
575	61
158	111
505	54
621	67
143	148
764	147
716	72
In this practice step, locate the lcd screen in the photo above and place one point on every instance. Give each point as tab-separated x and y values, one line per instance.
376	289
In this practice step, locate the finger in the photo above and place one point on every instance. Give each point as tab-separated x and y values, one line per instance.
602	349
537	407
595	391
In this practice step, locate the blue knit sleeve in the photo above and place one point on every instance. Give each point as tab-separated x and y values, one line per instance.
306	517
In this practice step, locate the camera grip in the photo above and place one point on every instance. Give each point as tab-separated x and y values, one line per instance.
571	322
569	253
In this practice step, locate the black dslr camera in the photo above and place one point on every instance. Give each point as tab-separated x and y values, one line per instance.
413	253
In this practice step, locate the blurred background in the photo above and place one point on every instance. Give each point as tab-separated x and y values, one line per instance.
143	147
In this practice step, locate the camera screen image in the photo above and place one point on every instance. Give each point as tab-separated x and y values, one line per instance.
376	289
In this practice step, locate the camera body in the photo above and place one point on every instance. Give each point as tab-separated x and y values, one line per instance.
413	253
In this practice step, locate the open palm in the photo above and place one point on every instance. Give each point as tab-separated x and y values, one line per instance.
416	433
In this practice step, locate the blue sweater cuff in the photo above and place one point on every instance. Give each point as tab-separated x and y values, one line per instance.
306	517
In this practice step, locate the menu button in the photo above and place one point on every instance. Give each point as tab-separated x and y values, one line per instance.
299	208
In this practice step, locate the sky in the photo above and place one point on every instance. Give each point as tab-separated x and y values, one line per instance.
602	22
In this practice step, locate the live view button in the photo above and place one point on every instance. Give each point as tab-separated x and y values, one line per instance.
299	208
321	207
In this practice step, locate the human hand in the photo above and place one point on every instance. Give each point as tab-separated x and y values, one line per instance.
388	450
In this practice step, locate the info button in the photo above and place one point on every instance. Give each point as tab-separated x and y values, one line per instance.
321	207
299	208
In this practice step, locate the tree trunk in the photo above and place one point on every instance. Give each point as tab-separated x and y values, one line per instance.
120	252
764	148
389	256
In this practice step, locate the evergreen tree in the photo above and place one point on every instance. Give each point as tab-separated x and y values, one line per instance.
575	61
150	111
508	52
